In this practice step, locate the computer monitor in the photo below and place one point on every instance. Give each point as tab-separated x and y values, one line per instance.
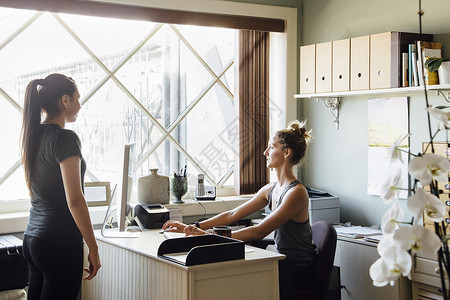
123	198
126	186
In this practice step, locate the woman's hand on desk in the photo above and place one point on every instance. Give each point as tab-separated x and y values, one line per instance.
193	230
174	226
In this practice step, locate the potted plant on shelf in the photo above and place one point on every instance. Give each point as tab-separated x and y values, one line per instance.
442	65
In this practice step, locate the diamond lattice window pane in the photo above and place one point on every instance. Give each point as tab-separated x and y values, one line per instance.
214	45
210	133
44	46
10	122
14	187
108	121
166	98
11	20
113	38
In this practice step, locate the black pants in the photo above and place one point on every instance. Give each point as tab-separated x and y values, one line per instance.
55	270
292	277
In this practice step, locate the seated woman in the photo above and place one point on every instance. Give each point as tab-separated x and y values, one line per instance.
288	201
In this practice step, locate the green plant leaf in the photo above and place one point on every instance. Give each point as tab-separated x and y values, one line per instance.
433	64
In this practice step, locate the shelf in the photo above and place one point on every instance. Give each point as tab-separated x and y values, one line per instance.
404	90
332	100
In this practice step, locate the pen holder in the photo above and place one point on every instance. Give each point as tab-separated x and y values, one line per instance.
178	187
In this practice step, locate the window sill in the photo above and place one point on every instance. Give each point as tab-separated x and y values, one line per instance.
13	222
17	222
192	207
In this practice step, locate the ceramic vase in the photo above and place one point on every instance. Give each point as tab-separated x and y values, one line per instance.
153	188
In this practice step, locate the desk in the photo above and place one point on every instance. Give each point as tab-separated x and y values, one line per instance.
131	269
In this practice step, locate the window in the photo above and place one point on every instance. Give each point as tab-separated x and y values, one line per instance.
167	88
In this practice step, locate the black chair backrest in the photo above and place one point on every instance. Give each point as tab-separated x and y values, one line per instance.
325	237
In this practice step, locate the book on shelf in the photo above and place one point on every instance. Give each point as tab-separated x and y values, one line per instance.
405	69
411	49
420	69
414	70
428	50
400	44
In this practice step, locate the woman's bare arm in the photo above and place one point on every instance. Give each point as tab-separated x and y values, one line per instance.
71	175
258	202
294	201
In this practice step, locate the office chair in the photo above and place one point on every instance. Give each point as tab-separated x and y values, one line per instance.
325	237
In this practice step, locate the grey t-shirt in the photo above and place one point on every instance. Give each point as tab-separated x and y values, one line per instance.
294	239
50	217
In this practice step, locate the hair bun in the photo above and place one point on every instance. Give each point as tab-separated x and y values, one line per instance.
299	128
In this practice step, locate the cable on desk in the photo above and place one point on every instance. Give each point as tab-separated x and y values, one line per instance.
204	209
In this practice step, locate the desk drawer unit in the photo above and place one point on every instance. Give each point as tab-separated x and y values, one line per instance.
425	292
426	279
354	257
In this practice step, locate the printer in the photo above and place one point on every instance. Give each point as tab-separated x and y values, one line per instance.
323	206
152	215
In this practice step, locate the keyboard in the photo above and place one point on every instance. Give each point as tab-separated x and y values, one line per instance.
173	235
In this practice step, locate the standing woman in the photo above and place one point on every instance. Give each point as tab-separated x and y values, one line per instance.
54	173
288	201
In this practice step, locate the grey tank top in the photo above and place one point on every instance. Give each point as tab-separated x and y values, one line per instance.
293	239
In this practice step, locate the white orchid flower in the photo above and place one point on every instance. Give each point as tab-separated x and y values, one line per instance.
393	262
388	189
424	202
389	222
429	166
442	116
385	243
379	273
418	239
393	152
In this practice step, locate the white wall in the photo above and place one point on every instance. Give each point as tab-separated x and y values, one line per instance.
337	161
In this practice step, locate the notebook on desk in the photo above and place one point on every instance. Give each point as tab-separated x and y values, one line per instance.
357	232
374	238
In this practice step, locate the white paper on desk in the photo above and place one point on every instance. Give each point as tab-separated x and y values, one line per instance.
175	214
374	238
357	231
248	249
179	256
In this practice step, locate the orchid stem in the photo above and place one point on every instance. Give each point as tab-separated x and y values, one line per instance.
405	151
432	138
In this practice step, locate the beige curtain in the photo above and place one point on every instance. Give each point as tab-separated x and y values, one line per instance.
253	109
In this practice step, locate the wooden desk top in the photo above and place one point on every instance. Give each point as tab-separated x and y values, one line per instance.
149	240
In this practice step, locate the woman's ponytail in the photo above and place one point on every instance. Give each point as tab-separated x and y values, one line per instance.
41	95
30	126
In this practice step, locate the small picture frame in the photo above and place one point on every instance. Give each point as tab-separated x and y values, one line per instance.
97	193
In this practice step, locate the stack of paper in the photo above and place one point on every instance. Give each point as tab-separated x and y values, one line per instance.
357	231
374	238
